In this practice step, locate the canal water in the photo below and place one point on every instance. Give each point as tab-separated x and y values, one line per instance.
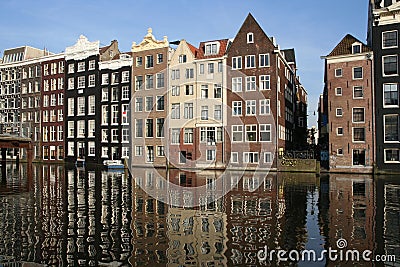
63	216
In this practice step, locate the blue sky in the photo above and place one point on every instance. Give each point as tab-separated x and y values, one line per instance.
312	27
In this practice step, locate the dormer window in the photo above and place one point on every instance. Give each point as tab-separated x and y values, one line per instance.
250	38
356	48
211	48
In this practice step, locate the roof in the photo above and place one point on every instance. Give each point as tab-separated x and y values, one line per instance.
193	49
104	49
345	46
223	43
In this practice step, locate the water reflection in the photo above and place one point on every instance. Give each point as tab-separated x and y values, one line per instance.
61	216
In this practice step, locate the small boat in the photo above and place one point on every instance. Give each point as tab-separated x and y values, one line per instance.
114	164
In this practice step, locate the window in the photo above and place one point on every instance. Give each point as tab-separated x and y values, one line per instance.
175	135
160	102
264	82
339	112
251	133
160	127
139	104
160	58
149	81
201	69
149	103
104	115
236	63
114	135
92	80
175	75
339	151
80	125
114	114
210	68
175	113
210	154
263	60
234	157
391	94
81	82
357	73
220	66
217	91
71	68
92	64
175	90
204	112
250	107
124	111
125	92
81	66
114	78
236	108
359	157
250	38
218	112
149	61
338	72
139	61
392	156
265	107
139	128
358	134
339	131
390	65
160	80
389	39
71	129
125	152
71	149
204	91
60	83
237	84
358	115
358	92
189	89
356	48
60	136
139	83
265	133
149	128
251	83
91	105
125	76
250	157
81	106
338	91
104	78
182	58
211	49
188	111
104	135
138	151
71	84
104	94
188	136
160	151
267	157
250	61
91	128
391	128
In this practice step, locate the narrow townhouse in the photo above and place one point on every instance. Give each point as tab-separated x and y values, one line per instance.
211	105
260	98
182	99
82	100
149	104
115	99
52	108
349	93
383	37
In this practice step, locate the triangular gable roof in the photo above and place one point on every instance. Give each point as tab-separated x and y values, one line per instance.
345	46
290	55
250	20
223	43
192	48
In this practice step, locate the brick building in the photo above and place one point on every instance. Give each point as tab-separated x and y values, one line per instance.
348	89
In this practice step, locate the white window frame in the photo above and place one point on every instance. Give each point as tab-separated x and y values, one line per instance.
354	90
237	129
250	38
270	156
237	63
250	59
336	72
266	59
235	104
251	107
383	65
397	40
398	96
237	85
365	135
352	115
336	91
264	82
234	155
391	161
341	111
362	73
337	131
246	156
